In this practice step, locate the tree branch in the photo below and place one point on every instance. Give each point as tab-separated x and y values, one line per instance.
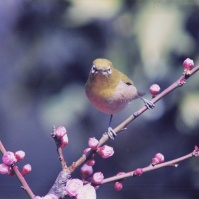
178	83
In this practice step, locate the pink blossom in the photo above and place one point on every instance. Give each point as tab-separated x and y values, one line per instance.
20	155
26	169
97	178
138	172
118	186
188	64
90	162
72	187
64	141
50	196
38	197
93	143
86	192
9	158
60	132
154	89
105	151
86	171
4	169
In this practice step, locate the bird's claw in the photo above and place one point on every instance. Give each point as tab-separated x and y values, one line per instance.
111	133
148	103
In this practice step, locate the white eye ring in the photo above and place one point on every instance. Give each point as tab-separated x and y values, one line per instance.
93	69
109	71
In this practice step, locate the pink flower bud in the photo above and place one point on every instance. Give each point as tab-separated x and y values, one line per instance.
138	172
188	64
86	192
105	151
20	155
60	132
86	150
38	197
93	143
64	141
9	158
154	89
90	162
158	158
4	169
50	196
118	186
72	187
86	171
26	169
97	178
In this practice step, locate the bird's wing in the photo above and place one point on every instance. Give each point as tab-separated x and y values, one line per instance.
125	79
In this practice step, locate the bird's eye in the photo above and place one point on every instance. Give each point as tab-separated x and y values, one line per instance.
93	70
109	71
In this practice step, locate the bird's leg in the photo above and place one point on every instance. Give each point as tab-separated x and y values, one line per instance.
147	103
111	132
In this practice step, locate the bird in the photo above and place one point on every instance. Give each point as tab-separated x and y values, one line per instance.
109	90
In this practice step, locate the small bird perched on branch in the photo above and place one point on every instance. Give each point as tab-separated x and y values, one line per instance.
109	90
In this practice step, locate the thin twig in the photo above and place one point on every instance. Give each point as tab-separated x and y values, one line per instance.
173	163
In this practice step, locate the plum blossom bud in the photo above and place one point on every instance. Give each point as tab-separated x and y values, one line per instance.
158	158
72	187
90	162
9	158
188	64
86	150
105	151
20	155
60	132
138	172
154	89
86	192
86	171
118	186
97	178
93	143
64	141
26	169
196	151
50	196
4	169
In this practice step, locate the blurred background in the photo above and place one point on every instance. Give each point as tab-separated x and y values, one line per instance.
46	52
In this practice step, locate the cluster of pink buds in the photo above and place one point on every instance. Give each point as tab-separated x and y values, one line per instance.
188	65
158	158
9	159
61	134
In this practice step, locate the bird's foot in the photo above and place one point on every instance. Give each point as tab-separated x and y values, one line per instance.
111	133
148	103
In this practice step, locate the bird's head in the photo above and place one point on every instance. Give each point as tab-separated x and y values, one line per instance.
102	67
